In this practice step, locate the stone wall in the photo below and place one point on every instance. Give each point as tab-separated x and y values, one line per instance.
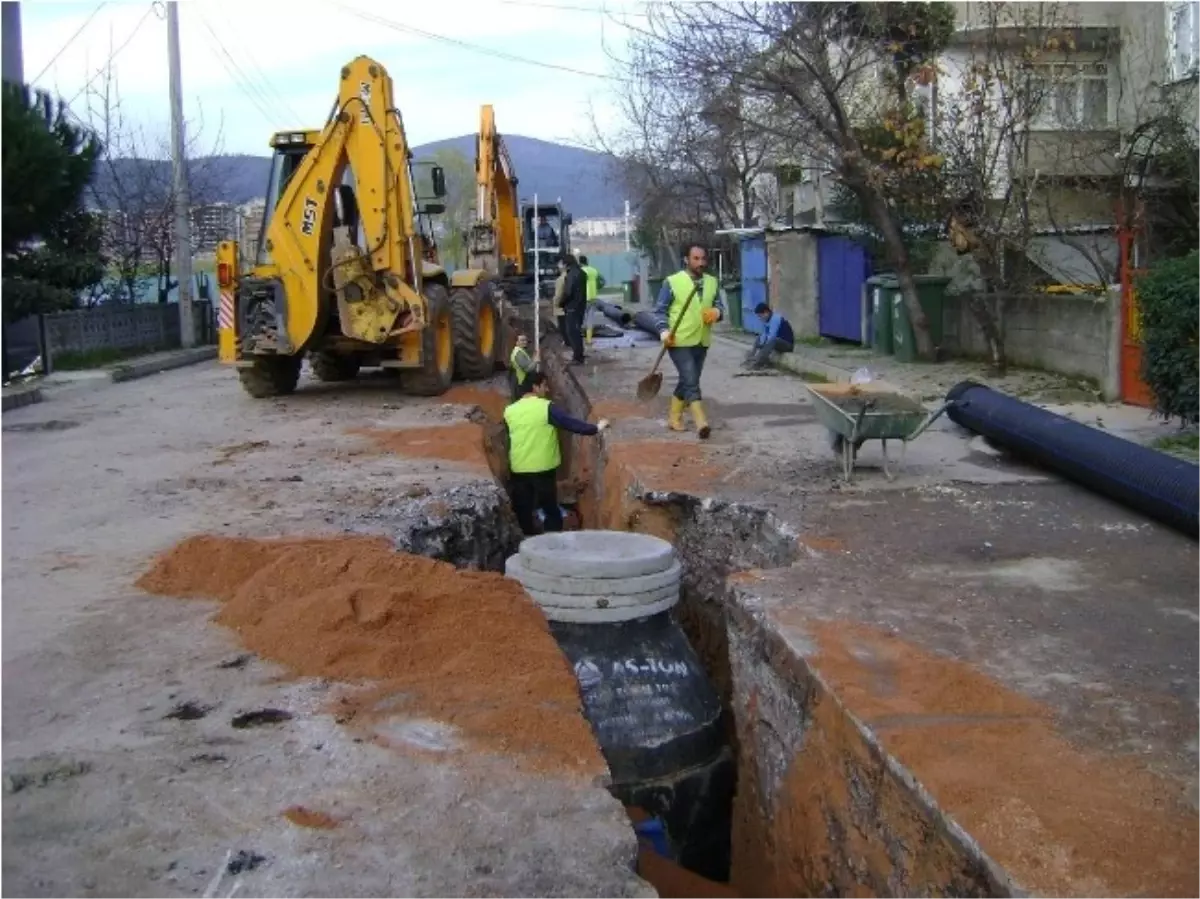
1071	335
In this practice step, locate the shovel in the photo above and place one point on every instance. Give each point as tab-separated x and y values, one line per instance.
649	386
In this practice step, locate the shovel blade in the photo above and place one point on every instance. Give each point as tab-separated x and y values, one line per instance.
649	386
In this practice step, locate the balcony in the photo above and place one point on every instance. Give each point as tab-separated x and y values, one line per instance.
1076	153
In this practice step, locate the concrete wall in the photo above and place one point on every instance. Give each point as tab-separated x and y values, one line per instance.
792	267
1071	335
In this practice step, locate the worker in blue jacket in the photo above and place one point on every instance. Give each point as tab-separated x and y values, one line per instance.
776	337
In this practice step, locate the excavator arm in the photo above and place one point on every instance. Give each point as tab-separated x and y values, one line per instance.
312	239
496	237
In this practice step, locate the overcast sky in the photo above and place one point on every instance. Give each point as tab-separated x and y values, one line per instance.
259	66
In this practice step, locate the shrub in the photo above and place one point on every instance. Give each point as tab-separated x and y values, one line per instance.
1169	298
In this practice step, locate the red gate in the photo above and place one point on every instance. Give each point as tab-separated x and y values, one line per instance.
1134	390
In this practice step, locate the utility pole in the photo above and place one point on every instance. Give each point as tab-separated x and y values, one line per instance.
14	64
626	226
183	218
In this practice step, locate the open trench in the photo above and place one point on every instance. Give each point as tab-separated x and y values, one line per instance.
815	807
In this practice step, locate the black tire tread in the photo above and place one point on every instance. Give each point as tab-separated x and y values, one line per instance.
428	381
271	376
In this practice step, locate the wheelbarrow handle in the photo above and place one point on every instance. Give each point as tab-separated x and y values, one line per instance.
925	425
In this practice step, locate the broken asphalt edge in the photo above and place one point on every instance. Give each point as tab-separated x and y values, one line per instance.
145	368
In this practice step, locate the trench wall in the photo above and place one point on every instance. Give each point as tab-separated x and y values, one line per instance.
820	808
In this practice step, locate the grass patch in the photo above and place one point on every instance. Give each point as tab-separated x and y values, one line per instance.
812	377
812	340
1185	444
98	358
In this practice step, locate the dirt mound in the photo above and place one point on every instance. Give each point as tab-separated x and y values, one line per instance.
461	442
466	648
492	402
311	818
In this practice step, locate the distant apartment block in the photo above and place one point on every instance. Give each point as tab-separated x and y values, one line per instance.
213	223
597	228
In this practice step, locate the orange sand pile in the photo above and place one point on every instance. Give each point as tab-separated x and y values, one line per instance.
1061	820
462	442
467	648
492	402
311	818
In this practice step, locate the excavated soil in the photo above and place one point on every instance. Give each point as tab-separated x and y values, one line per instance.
467	649
1060	820
492	402
615	410
668	464
461	443
310	818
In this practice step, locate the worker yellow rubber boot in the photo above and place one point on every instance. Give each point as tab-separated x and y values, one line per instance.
675	418
588	337
702	427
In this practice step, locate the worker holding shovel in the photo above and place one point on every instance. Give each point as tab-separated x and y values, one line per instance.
688	305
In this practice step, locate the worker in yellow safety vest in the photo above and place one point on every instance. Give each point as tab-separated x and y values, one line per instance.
595	281
532	425
520	366
688	346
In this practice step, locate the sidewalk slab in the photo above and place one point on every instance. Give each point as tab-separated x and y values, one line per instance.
159	362
18	397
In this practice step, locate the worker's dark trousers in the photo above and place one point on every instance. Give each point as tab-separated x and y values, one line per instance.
517	390
531	492
760	356
689	362
574	335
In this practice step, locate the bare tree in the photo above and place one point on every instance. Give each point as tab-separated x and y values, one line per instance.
798	79
686	149
134	191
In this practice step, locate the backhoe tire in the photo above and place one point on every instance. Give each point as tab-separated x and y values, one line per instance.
333	367
437	347
271	376
476	332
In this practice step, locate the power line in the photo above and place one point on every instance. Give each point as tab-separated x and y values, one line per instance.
476	48
112	57
270	89
598	10
251	91
70	40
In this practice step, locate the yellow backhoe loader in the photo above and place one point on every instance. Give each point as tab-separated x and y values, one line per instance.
346	269
495	242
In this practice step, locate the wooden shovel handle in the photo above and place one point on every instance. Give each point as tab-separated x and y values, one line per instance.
682	312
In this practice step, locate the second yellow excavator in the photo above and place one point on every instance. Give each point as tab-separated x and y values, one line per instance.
346	271
494	243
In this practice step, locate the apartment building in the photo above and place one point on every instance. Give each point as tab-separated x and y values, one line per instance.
213	223
1110	72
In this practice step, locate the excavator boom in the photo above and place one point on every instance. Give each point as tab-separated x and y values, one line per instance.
496	237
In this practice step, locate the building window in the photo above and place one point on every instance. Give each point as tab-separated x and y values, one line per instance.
1183	39
1072	96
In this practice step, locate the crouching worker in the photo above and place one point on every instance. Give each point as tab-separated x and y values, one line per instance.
776	337
532	424
520	366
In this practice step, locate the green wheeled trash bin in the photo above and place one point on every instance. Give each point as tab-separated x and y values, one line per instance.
931	292
880	289
733	297
654	285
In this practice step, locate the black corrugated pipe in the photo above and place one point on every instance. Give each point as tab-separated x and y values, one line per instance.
615	312
1153	483
644	321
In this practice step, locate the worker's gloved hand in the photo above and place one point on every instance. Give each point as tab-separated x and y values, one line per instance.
603	425
711	316
667	339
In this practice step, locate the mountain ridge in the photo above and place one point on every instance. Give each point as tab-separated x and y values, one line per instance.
582	178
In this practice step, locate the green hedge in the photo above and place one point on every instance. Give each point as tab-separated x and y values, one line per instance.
1169	299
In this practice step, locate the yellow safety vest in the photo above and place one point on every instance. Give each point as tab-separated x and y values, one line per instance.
691	330
516	369
533	441
593	282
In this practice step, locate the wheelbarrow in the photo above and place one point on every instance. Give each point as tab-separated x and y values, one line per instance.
856	413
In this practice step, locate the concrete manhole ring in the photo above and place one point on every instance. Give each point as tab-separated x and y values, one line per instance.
547	599
607	616
607	586
596	554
